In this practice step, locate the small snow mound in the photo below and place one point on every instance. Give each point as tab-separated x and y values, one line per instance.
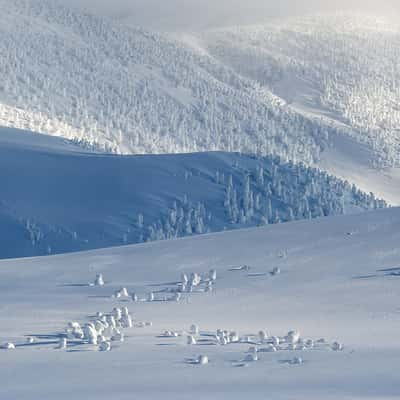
252	350
213	275
191	340
8	346
202	360
105	346
263	335
293	337
194	329
251	357
336	346
297	361
276	271
271	349
118	337
62	344
275	340
99	281
150	297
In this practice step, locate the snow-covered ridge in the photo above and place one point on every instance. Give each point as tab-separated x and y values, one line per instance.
56	199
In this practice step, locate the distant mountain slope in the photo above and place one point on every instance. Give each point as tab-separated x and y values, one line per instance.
309	90
130	91
56	199
342	68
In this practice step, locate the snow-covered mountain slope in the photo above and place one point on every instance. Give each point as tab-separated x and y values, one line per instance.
55	199
310	84
338	281
348	159
131	91
342	68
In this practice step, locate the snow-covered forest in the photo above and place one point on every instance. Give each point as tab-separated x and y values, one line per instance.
272	193
125	90
342	67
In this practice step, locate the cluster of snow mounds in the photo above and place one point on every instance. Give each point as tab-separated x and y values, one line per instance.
100	331
196	282
260	343
193	283
149	93
189	284
343	67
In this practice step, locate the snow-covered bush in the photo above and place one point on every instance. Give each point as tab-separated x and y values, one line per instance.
8	346
116	313
263	336
62	343
297	360
150	297
105	346
292	337
118	336
74	330
99	281
252	350
126	319
191	340
336	346
134	297
176	297
202	360
251	357
213	275
234	337
271	348
276	271
194	329
90	333
310	343
275	340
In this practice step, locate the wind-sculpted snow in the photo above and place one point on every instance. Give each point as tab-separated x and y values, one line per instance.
341	67
61	200
130	91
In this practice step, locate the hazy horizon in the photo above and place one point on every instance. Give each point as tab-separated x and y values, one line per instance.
201	14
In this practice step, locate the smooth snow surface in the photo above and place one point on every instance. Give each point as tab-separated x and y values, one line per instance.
339	281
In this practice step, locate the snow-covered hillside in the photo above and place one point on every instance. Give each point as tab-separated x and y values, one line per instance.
343	68
338	281
55	198
300	89
130	91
